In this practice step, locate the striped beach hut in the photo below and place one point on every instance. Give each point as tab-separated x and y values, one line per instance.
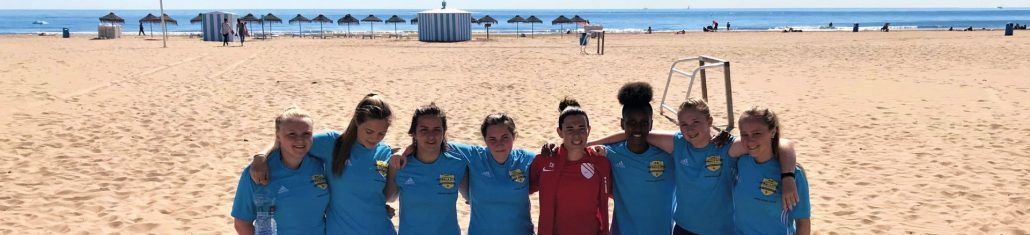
211	25
444	25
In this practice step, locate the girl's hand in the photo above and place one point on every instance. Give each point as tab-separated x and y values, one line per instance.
401	160
548	150
789	194
390	212
259	170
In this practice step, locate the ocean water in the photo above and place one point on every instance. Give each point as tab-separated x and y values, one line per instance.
631	20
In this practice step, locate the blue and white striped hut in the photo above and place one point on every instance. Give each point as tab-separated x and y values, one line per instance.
444	25
211	25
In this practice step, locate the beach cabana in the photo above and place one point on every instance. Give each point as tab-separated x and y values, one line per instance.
300	20
488	21
533	20
111	18
517	19
211	25
348	20
270	19
444	25
579	20
561	21
395	19
372	19
322	19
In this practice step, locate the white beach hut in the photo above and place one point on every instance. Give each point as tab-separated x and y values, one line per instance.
444	25
211	25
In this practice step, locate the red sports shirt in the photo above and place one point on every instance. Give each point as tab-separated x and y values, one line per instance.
573	194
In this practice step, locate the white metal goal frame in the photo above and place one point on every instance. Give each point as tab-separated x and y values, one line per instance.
704	63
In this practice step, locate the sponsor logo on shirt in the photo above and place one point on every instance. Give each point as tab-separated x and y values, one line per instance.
381	166
685	162
282	189
446	180
517	175
620	165
410	181
768	186
713	163
487	174
319	181
550	167
657	168
587	169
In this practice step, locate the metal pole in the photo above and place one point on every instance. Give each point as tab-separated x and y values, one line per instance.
164	27
729	96
704	81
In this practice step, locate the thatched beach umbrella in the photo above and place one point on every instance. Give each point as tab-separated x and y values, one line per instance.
322	19
517	19
269	18
249	18
371	19
533	20
111	18
395	19
578	20
488	21
561	21
414	20
300	20
151	19
348	20
198	19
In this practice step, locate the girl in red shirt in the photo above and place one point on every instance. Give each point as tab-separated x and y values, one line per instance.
575	184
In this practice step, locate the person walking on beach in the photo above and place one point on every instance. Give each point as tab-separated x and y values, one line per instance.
355	168
241	30
301	208
757	191
226	32
141	31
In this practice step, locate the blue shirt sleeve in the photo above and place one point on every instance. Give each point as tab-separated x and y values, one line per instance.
804	207
463	151
322	145
243	204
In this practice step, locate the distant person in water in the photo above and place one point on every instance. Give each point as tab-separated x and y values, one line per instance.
727	26
141	32
649	29
831	25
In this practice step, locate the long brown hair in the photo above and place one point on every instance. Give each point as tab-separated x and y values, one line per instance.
771	121
372	107
430	110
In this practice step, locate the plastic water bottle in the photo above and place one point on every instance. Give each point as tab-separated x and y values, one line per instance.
265	202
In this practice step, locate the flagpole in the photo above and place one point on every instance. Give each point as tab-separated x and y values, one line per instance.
164	27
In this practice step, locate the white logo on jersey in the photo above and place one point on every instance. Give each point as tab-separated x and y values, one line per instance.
587	169
685	162
487	174
348	162
550	167
620	165
282	189
410	181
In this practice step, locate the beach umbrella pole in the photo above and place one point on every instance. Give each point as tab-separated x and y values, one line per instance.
164	27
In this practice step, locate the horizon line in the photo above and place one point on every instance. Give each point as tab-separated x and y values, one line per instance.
643	8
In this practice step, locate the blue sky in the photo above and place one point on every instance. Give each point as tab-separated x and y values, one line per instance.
498	4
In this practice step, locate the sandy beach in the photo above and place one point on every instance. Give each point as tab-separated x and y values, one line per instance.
903	132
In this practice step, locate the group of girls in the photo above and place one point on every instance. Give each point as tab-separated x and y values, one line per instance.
693	181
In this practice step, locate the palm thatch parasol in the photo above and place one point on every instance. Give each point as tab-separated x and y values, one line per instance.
372	19
322	19
111	18
198	19
414	20
269	18
488	21
151	19
561	21
395	19
533	20
348	20
517	19
300	20
249	18
577	20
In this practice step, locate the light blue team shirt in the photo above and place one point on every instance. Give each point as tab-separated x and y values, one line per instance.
499	193
358	203
428	193
758	200
643	190
704	181
301	196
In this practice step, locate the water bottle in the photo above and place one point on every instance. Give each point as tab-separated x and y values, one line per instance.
265	202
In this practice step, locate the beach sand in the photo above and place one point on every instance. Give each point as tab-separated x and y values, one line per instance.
900	132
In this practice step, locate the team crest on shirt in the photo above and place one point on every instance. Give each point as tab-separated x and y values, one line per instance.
517	175
587	169
319	181
768	186
713	163
382	166
657	168
446	181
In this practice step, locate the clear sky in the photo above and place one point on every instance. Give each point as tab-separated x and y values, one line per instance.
500	4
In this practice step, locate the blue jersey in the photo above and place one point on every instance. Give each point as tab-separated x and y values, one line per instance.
428	193
643	190
499	193
704	182
301	196
358	203
758	201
